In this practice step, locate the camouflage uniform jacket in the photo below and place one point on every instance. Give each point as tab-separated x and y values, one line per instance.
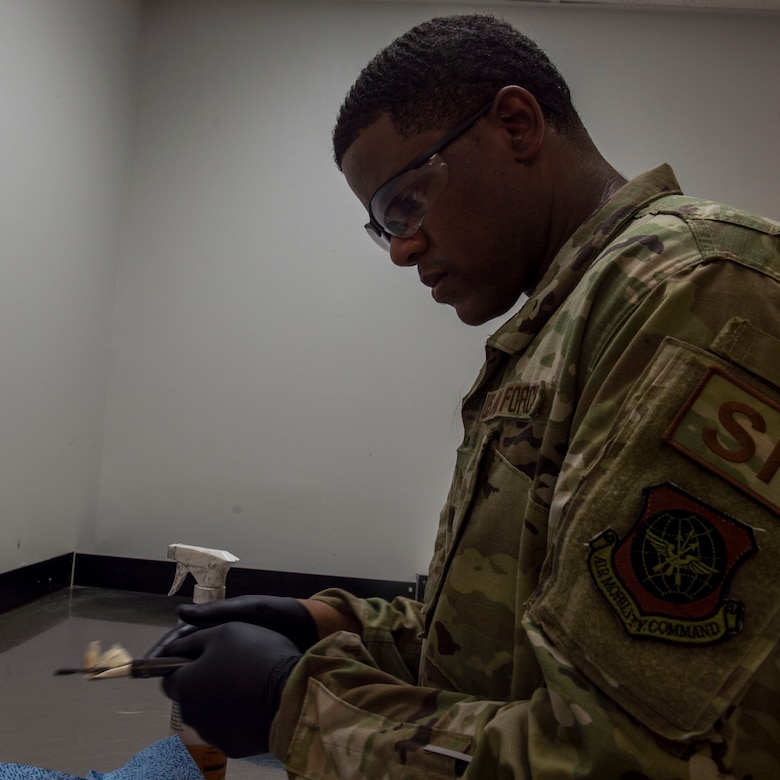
604	596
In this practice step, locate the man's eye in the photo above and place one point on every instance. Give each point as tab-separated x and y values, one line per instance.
395	228
404	211
408	204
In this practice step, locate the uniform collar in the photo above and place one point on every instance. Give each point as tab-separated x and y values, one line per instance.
578	254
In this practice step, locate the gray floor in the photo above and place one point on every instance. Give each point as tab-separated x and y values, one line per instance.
74	725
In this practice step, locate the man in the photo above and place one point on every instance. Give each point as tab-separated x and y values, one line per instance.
604	595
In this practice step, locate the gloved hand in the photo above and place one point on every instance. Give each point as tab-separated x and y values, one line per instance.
281	614
230	693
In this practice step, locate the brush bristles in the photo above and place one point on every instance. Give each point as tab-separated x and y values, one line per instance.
115	656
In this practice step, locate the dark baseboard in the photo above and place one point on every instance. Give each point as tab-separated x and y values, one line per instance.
146	576
28	583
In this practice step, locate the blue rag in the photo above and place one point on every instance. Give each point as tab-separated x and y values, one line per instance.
167	759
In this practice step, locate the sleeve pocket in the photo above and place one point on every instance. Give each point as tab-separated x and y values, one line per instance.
665	586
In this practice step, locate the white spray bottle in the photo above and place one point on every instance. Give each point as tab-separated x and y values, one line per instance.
209	568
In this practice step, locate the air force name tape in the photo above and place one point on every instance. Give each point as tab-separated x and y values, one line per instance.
519	400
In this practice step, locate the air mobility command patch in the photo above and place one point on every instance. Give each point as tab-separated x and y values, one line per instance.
667	578
732	430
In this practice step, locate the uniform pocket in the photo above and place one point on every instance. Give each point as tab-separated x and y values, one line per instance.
494	555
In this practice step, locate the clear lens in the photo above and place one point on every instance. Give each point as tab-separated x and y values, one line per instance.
401	204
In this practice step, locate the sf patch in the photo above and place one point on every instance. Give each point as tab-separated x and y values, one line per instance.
732	430
667	578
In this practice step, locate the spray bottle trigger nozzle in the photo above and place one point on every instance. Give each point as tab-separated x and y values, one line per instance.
178	579
208	567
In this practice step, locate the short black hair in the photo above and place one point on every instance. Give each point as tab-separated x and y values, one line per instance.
442	70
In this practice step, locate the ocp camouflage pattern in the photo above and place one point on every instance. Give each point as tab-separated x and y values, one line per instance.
517	665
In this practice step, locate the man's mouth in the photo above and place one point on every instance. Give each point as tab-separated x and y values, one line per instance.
431	279
434	281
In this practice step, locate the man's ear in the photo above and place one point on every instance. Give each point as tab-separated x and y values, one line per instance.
520	121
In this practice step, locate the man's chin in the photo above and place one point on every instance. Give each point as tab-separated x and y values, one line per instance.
470	315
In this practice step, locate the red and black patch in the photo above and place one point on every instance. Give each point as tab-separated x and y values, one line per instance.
668	577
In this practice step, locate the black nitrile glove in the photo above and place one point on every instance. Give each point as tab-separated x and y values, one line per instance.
279	613
230	693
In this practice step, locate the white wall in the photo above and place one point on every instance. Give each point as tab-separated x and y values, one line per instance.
65	96
276	387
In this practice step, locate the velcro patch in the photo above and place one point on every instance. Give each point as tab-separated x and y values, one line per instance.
667	578
518	400
733	430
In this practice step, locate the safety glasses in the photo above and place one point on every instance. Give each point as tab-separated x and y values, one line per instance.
399	206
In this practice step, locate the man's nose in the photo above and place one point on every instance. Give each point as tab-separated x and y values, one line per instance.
406	251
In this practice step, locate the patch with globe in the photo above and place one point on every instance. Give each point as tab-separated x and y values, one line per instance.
668	578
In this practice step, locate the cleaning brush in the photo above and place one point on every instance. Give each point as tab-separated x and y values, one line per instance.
117	662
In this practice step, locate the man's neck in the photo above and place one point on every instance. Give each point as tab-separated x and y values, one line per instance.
584	182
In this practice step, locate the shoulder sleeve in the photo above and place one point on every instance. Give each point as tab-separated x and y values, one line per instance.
663	586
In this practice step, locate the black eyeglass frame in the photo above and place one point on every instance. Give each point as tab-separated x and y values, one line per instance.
373	228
